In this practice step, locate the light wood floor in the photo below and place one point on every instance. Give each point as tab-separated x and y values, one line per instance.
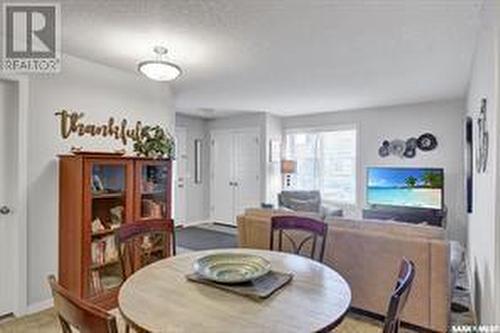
46	322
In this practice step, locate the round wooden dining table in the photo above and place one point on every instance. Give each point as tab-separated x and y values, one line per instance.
159	298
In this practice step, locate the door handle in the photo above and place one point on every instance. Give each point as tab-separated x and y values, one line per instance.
4	210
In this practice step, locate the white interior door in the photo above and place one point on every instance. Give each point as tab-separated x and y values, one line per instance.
247	171
222	189
180	176
235	168
8	191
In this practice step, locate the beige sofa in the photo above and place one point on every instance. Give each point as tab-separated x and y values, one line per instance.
367	253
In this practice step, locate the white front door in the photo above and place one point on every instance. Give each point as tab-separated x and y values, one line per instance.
8	191
247	171
180	183
222	185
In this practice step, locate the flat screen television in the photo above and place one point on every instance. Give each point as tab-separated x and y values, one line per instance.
406	187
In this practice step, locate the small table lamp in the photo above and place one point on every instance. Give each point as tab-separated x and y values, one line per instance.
288	167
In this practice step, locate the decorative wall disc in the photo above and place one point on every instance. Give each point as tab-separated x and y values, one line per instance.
426	142
383	151
408	148
411	143
410	152
397	147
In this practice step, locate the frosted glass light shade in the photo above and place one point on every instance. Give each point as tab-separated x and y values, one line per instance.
159	70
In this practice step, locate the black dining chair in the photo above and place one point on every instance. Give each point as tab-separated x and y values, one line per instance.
142	243
314	229
399	297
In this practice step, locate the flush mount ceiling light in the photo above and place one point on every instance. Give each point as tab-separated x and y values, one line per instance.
159	69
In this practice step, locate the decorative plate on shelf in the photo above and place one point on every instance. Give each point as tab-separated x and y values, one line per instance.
232	267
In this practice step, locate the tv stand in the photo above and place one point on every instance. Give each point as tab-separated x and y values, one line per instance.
405	214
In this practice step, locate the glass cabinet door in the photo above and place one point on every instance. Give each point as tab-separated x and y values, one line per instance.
153	191
108	206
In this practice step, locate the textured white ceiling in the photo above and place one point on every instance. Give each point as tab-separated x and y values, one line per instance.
287	56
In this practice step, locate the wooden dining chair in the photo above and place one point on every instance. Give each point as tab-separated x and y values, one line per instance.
142	243
79	314
399	296
314	229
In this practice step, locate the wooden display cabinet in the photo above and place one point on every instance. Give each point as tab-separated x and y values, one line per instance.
98	193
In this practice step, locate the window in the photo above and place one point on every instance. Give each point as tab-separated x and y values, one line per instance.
326	161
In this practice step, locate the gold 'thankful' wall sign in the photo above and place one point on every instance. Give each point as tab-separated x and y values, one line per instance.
72	123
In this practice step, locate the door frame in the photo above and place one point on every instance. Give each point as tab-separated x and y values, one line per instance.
20	255
175	173
254	129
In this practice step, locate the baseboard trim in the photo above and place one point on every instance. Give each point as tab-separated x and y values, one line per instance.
222	224
192	223
39	306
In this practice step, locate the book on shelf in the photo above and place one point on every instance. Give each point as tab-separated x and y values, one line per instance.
152	208
95	282
104	251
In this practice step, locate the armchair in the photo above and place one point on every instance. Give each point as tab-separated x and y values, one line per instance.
307	201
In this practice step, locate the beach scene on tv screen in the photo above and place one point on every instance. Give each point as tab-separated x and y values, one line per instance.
405	187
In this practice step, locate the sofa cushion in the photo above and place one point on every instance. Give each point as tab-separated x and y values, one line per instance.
268	213
390	227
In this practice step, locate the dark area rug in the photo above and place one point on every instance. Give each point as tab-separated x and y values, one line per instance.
194	238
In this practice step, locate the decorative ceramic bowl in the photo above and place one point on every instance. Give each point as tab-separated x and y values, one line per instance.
232	267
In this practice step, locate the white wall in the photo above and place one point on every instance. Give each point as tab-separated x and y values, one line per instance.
483	228
197	195
100	92
443	119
